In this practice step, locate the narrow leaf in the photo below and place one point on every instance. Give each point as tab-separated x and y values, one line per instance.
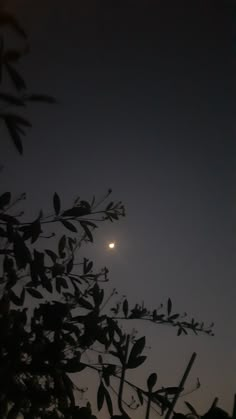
169	306
100	396
56	203
125	308
5	199
69	226
34	293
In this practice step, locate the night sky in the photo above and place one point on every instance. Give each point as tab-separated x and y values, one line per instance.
145	91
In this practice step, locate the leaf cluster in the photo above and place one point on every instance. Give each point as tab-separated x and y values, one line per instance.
14	100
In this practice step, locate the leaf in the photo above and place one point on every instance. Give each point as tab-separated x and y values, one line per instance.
191	408
100	396
179	331
76	212
60	283
34	293
87	266
69	226
96	295
15	136
51	254
74	365
169	306
3	232
85	304
90	223
5	199
151	381
21	251
137	348
69	266
16	119
125	308
18	301
136	362
9	219
46	283
35	230
108	401
87	231
16	78
11	99
140	395
56	203
61	245
173	317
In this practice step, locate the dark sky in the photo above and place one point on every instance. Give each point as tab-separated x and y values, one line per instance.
146	107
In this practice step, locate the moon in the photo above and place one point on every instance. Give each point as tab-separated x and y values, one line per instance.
111	245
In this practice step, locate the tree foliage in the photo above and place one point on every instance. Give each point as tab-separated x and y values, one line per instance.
15	99
69	316
54	308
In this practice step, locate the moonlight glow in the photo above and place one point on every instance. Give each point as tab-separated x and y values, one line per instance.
111	245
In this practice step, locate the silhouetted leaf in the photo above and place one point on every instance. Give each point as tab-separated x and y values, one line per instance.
76	212
51	254
100	395
125	308
18	301
3	233
10	232
108	401
56	203
16	78
87	231
15	136
136	362
9	219
74	365
35	230
90	223
11	99
69	266
151	381
172	390
87	266
97	296
191	408
169	306
85	304
46	283
60	283
179	331
140	395
69	226
5	200
21	251
34	293
61	245
16	119
137	348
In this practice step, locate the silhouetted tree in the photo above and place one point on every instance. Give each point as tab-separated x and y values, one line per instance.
54	308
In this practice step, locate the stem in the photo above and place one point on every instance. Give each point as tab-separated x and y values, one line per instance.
181	385
148	406
122	379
